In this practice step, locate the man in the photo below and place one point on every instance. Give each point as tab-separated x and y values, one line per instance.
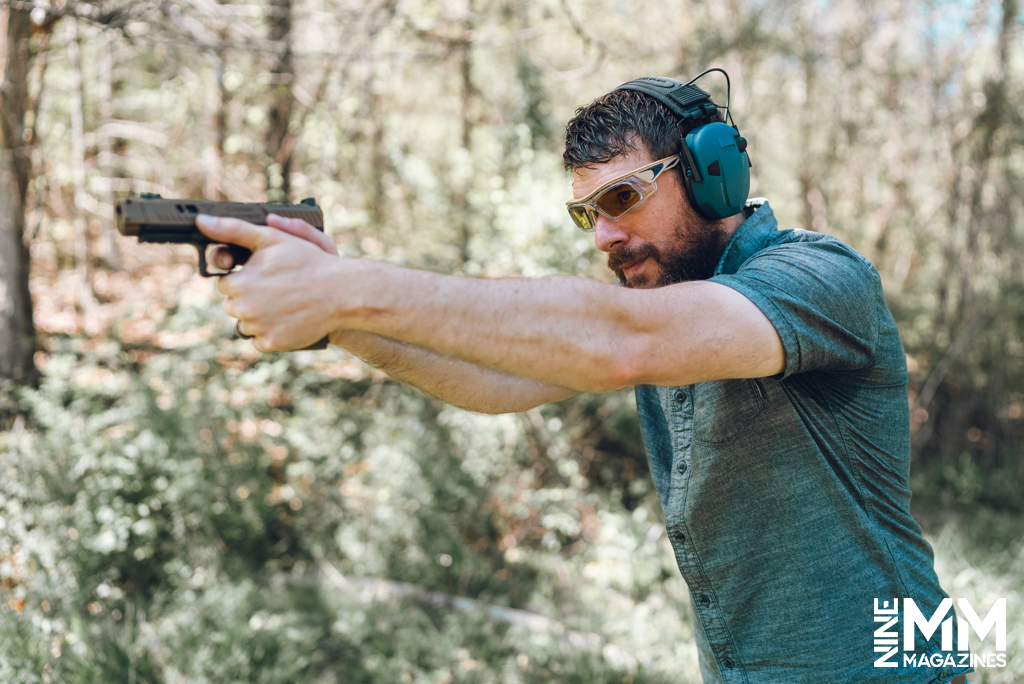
770	381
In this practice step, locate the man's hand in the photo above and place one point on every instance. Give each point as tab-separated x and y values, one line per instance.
282	297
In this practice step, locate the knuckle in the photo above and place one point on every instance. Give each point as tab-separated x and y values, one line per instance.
243	311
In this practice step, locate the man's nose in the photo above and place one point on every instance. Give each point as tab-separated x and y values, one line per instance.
609	234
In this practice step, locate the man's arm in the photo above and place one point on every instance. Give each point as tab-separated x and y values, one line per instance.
571	332
457	382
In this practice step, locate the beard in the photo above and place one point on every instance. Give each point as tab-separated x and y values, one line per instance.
693	255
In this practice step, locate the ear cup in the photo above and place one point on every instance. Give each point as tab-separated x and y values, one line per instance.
719	183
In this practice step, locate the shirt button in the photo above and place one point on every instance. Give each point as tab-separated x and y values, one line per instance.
728	663
704	600
680	396
682	467
679	537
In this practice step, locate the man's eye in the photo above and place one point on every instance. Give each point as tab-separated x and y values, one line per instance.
618	199
623	199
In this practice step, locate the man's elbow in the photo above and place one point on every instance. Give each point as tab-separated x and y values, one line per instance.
632	365
616	374
641	361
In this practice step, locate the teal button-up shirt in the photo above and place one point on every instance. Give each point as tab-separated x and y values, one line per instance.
786	498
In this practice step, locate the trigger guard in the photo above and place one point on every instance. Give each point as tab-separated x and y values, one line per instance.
238	254
203	271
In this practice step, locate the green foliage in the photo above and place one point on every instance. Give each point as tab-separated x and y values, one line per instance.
176	508
188	502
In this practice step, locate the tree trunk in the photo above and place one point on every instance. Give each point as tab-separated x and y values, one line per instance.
378	157
467	115
217	103
216	97
990	120
17	333
86	299
279	142
809	191
108	249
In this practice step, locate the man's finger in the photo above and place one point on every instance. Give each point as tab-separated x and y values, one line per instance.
242	333
229	303
301	229
231	285
220	257
232	231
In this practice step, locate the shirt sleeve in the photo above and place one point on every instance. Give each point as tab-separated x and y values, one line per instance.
822	298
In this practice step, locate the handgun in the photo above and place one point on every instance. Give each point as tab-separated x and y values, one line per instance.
152	218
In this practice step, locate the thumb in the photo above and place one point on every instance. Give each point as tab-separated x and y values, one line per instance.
233	231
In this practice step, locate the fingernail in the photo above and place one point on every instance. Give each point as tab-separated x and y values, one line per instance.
204	219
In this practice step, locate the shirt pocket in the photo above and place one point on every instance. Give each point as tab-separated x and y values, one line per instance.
725	408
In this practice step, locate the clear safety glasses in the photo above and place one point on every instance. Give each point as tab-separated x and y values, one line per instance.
619	196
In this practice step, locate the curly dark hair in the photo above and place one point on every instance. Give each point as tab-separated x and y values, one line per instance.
614	124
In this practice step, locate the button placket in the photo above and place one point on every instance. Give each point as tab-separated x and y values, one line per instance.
680	421
678	406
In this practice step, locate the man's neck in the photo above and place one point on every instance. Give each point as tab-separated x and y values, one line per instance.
731	224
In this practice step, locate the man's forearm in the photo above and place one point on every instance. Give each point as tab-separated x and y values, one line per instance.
457	382
565	331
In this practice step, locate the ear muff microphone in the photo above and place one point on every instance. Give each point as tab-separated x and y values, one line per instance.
715	165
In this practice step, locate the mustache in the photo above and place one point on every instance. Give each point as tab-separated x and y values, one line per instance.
629	255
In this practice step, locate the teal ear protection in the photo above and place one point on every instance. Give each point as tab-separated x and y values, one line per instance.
714	161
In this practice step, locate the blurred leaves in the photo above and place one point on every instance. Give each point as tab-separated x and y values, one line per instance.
182	506
175	507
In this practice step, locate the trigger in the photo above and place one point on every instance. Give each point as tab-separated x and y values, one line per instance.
239	254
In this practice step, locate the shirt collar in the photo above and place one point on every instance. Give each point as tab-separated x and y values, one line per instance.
749	238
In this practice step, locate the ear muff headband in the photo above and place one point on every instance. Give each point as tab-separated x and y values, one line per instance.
715	165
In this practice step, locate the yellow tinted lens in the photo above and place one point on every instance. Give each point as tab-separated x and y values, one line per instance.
615	201
581	216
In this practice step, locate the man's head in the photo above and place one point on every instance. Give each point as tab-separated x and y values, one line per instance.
664	240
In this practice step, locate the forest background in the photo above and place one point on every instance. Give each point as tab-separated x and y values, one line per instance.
176	507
